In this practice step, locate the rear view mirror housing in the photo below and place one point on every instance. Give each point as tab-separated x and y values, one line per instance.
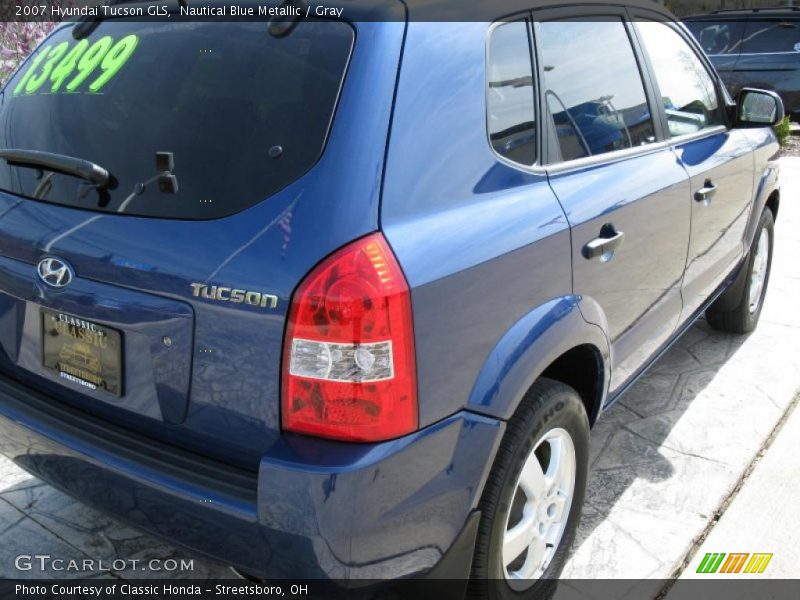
758	108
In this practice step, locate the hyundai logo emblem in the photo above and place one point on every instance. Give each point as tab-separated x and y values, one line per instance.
55	272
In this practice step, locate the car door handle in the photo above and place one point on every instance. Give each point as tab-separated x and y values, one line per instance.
706	193
610	239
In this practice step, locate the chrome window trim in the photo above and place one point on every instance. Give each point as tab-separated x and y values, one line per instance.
607	157
565	166
690	137
790	52
540	169
536	168
628	153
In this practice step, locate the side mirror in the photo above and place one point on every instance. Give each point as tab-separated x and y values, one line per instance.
758	108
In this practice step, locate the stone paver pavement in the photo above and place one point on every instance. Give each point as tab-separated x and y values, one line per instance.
668	454
763	516
664	458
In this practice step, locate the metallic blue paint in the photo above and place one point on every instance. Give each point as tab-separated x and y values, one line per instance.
156	377
717	243
639	289
533	343
233	411
500	290
512	237
377	511
323	508
766	171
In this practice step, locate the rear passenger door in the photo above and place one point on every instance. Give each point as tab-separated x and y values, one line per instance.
718	160
621	188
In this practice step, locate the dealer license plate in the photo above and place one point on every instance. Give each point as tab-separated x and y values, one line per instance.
82	351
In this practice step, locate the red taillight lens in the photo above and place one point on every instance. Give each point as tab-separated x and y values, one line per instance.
349	370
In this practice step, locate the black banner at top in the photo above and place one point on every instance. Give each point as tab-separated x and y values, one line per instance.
350	10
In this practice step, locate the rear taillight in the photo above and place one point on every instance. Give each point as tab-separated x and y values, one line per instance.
349	370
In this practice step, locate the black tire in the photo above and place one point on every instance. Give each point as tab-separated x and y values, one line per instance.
547	406
731	312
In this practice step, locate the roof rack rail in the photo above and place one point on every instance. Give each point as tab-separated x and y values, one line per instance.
767	9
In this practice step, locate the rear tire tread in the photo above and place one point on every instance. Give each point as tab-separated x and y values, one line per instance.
518	435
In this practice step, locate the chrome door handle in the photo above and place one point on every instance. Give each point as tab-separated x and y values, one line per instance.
706	193
610	239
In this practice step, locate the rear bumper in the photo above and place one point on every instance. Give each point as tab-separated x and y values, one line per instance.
315	509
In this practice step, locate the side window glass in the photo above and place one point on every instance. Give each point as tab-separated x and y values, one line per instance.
593	87
687	89
772	36
511	118
718	38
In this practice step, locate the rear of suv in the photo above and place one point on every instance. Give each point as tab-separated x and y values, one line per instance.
342	299
759	47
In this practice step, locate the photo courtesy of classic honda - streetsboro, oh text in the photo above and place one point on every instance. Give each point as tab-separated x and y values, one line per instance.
328	298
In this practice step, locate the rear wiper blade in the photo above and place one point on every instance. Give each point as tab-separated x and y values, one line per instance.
60	163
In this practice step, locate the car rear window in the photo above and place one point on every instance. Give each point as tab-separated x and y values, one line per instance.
718	37
774	35
191	120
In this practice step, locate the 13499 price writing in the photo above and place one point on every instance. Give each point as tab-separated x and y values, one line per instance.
62	68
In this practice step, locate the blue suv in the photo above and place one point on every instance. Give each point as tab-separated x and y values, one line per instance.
342	298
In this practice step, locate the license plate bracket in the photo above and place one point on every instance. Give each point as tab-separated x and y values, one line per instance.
82	351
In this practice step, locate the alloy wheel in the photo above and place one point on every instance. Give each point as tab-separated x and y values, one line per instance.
539	509
758	274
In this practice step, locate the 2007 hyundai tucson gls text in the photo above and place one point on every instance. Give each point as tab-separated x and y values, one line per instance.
342	298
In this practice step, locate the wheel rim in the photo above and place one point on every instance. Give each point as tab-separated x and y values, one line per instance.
539	509
758	275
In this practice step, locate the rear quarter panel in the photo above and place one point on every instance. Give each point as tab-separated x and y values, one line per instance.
485	245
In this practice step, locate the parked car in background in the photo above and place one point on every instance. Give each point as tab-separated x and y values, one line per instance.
343	315
757	47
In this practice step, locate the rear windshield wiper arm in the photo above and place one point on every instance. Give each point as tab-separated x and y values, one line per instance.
61	163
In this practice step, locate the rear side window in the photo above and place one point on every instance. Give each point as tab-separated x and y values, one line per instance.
771	36
242	113
593	87
512	119
687	89
723	37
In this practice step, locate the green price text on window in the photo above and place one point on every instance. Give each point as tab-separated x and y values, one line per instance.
61	68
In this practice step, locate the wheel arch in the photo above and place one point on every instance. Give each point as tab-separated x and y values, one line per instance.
767	195
773	203
582	369
554	341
